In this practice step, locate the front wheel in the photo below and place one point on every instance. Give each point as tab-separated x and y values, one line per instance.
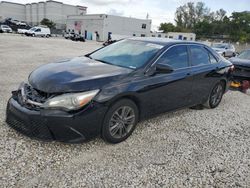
120	121
215	96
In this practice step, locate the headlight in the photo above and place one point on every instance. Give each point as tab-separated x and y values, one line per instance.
72	101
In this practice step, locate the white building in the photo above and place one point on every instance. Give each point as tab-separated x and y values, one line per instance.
175	35
105	25
33	13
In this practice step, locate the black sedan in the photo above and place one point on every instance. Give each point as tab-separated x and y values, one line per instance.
108	91
241	74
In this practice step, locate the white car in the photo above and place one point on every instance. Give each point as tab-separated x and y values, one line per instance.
21	23
5	29
22	31
39	31
224	49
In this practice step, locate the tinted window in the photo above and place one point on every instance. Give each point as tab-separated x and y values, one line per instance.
38	30
199	56
176	57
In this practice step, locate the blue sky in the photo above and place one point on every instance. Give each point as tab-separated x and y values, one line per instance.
158	10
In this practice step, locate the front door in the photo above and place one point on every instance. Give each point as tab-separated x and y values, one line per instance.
169	91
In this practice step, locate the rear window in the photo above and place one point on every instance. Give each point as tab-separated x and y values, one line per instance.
199	56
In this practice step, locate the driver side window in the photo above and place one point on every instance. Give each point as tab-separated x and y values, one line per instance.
176	57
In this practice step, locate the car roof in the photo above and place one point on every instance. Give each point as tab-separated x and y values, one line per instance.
163	41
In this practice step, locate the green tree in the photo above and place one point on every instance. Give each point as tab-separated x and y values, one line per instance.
167	27
48	23
188	15
198	18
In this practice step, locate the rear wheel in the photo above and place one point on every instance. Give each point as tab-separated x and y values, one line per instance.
215	95
120	121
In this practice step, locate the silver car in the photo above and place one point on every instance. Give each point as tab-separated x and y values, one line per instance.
5	29
224	49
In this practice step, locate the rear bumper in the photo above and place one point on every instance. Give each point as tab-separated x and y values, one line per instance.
52	125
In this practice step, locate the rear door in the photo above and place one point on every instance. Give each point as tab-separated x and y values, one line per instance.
204	71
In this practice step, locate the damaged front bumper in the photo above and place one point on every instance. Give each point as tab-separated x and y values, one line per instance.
49	125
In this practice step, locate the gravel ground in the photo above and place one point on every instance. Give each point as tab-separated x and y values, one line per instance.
187	148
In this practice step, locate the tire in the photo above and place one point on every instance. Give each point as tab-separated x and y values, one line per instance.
33	35
215	95
115	128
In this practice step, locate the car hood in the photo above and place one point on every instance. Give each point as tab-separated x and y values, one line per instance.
78	74
242	62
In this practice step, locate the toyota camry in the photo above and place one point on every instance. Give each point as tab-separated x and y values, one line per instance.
108	91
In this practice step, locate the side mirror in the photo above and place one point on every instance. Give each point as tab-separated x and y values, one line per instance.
163	69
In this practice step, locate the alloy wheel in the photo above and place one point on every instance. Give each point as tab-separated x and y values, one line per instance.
121	122
216	95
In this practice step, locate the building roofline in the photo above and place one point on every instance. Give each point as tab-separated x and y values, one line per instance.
12	3
110	15
54	2
43	2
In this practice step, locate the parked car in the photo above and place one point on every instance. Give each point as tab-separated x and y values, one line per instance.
109	90
22	31
224	49
39	31
69	35
108	42
21	23
13	21
5	29
241	75
77	37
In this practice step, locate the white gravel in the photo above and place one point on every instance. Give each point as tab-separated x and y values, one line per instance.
187	148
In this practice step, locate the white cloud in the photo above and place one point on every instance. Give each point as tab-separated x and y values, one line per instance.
115	12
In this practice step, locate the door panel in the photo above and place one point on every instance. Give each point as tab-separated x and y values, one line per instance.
205	71
204	77
166	92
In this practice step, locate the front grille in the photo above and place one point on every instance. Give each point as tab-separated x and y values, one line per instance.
30	94
32	128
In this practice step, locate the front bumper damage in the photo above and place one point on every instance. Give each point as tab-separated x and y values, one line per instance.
49	125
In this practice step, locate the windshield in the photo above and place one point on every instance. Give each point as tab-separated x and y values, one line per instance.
220	46
244	55
127	53
33	29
